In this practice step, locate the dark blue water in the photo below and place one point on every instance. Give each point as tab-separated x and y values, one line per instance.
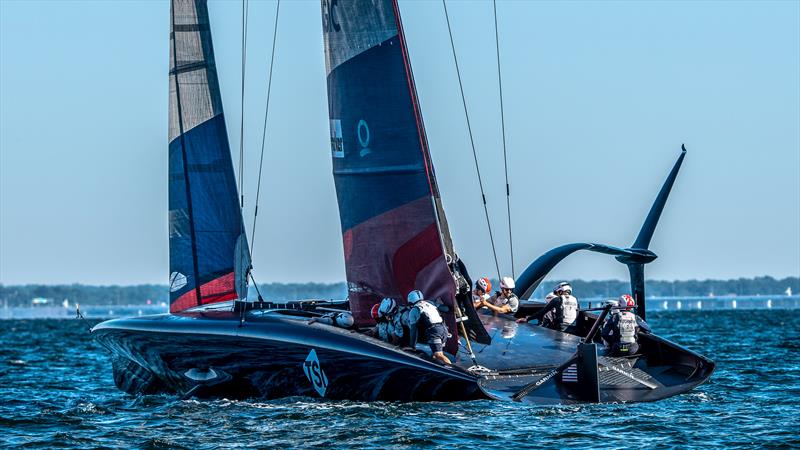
56	390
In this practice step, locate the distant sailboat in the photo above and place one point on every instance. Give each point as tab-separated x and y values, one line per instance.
396	239
789	291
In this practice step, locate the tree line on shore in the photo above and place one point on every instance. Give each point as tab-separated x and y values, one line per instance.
22	295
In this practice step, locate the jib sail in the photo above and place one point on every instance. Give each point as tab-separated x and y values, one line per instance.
394	230
209	258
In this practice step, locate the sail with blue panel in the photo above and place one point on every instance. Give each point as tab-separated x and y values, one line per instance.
209	256
393	227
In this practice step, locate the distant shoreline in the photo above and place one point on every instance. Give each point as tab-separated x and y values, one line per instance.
154	294
655	305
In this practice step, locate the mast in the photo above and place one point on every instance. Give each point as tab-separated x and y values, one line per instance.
394	228
209	257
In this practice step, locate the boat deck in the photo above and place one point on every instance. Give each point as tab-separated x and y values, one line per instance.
518	346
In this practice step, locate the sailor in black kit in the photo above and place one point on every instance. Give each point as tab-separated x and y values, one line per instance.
425	315
561	311
621	331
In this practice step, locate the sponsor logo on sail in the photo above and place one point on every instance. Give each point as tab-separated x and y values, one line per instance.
363	137
177	281
329	21
337	143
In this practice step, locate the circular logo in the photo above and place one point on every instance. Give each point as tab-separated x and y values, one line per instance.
363	137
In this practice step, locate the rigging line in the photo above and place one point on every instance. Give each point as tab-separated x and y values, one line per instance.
503	127
264	132
245	5
258	291
472	142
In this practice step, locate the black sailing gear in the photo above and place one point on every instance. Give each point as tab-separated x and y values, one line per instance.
621	333
560	313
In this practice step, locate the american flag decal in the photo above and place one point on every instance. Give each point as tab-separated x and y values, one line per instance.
570	374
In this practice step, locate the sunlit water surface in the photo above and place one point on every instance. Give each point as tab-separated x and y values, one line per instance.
56	390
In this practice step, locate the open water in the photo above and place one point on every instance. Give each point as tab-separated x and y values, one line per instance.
56	390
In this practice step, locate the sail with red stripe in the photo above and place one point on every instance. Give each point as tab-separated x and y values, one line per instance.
394	230
208	254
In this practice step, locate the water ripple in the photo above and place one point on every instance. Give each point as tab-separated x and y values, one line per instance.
56	390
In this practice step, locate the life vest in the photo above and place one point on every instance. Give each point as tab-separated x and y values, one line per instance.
398	322
511	301
428	313
570	310
627	327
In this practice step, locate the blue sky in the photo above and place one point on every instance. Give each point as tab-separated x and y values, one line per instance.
599	97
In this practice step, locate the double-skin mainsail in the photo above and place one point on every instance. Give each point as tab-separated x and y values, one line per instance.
209	259
394	229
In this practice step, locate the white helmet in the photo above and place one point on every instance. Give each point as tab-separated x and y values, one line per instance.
388	305
507	283
611	302
344	320
415	296
563	288
484	284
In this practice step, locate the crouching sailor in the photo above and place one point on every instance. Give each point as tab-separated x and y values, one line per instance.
561	311
389	317
423	314
621	331
338	319
381	330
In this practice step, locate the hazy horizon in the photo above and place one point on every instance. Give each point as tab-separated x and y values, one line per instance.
598	99
546	280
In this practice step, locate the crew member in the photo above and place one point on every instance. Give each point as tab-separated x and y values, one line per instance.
621	331
381	330
342	319
481	292
393	314
561	312
504	301
400	325
424	314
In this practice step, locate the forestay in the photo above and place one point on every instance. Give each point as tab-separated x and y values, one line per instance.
209	257
394	230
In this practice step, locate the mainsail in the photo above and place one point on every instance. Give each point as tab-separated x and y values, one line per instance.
394	230
209	258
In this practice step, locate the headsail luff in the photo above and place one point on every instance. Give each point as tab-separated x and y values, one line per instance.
394	230
209	257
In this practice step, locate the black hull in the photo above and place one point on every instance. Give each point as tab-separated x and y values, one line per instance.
278	354
266	358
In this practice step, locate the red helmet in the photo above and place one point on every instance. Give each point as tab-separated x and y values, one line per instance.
374	311
626	301
484	284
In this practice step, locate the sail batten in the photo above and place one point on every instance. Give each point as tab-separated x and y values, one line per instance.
393	228
208	248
